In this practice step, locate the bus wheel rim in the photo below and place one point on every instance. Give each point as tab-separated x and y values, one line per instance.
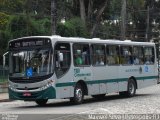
131	88
79	94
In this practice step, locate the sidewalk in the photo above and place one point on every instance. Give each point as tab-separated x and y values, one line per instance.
4	92
4	97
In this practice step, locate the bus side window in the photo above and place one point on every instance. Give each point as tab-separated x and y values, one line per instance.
126	55
138	57
81	54
98	55
149	55
112	54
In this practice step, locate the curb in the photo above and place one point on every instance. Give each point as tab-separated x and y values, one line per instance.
5	100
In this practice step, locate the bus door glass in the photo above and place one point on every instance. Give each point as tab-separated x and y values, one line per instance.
62	58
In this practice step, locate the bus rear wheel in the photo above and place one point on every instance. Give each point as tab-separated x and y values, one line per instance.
131	89
78	95
41	102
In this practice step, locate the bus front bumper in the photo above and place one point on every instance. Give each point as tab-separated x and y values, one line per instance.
48	93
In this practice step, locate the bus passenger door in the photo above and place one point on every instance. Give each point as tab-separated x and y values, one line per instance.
63	70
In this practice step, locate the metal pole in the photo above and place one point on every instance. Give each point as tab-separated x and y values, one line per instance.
123	20
53	16
147	29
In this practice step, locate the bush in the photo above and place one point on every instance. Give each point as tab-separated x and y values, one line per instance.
4	37
21	25
3	20
72	28
80	28
45	26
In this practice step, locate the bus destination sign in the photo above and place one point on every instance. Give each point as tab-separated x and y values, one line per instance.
29	43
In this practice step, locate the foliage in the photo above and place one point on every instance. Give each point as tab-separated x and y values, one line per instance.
108	30
12	6
44	26
32	17
72	28
4	37
3	20
66	29
22	26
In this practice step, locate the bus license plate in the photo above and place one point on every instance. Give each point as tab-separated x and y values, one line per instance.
27	94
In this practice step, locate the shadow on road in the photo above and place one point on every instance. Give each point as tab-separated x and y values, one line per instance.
87	100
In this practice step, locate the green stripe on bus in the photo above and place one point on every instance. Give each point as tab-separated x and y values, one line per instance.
65	84
105	81
146	78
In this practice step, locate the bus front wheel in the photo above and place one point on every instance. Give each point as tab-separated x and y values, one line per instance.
78	95
41	102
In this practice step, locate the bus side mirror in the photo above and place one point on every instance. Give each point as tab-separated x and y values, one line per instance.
6	60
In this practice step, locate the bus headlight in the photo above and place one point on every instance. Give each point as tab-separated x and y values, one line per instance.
49	84
10	87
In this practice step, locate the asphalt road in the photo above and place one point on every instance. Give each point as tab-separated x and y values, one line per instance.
146	101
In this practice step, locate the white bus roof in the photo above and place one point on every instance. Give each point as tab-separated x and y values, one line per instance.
98	40
93	40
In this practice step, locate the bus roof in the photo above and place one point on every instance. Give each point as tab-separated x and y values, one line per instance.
93	40
98	40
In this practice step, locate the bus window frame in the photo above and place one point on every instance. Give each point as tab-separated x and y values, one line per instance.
131	53
118	54
153	55
73	50
142	48
105	62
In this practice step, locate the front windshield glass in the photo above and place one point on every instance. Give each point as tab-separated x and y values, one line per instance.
31	63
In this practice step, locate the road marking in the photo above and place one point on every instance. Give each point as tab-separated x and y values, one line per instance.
88	111
106	110
96	110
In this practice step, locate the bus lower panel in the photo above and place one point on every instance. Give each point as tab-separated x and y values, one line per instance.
48	93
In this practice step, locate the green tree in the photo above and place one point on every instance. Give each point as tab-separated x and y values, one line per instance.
72	28
4	18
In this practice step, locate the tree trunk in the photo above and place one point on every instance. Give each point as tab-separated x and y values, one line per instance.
27	4
147	28
123	20
90	8
82	10
98	17
53	16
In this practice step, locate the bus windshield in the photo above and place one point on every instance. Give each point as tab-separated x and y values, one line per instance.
31	63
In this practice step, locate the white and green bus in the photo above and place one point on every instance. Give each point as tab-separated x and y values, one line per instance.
53	67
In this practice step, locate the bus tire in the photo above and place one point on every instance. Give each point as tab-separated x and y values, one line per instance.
78	95
41	102
100	96
131	89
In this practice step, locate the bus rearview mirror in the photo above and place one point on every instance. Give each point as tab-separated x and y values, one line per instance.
5	60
